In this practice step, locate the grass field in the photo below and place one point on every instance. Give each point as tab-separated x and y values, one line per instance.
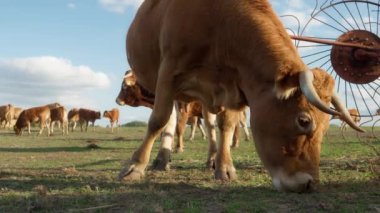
62	174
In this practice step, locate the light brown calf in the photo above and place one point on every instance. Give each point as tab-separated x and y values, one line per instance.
6	114
113	116
31	115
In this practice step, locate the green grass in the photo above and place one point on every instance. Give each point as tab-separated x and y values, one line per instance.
61	174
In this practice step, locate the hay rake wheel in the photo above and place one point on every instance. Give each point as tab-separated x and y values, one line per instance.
342	37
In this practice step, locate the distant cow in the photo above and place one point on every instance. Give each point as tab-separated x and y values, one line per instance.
73	118
53	106
354	115
194	122
6	114
86	116
242	123
31	115
59	114
113	116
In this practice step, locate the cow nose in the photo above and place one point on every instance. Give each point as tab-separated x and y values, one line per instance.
305	123
120	102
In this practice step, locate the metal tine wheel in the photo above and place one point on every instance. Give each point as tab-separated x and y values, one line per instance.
322	42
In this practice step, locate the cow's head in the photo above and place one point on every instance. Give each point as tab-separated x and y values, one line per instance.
288	132
17	130
133	94
97	115
106	114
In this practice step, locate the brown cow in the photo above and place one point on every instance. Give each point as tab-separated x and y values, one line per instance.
229	54
86	116
73	118
53	106
354	115
59	114
31	115
113	116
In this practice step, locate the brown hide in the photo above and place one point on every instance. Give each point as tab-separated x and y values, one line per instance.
229	54
86	116
31	115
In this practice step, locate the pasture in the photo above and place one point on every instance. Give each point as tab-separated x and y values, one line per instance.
64	174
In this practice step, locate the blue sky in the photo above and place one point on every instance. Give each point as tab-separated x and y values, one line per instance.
73	51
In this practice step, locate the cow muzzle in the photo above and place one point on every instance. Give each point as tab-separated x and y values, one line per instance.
120	102
300	182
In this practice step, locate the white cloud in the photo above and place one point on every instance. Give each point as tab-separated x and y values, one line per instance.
120	6
71	6
39	80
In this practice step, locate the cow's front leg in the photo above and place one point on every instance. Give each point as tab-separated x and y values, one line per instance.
209	119
167	137
29	128
162	109
224	168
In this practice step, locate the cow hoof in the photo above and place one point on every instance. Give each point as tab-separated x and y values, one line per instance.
130	173
179	150
210	164
161	163
227	174
234	146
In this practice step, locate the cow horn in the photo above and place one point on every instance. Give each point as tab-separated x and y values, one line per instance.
306	83
345	115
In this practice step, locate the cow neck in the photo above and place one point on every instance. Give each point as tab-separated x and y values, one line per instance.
147	96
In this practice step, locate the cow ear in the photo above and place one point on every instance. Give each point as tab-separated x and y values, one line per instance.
129	78
286	85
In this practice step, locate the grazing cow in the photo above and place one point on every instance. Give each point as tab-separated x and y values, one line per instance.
113	115
354	115
73	118
228	55
31	115
59	114
86	116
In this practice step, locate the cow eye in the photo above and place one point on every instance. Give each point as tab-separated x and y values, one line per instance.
123	85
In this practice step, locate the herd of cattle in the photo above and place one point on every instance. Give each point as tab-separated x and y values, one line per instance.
49	114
